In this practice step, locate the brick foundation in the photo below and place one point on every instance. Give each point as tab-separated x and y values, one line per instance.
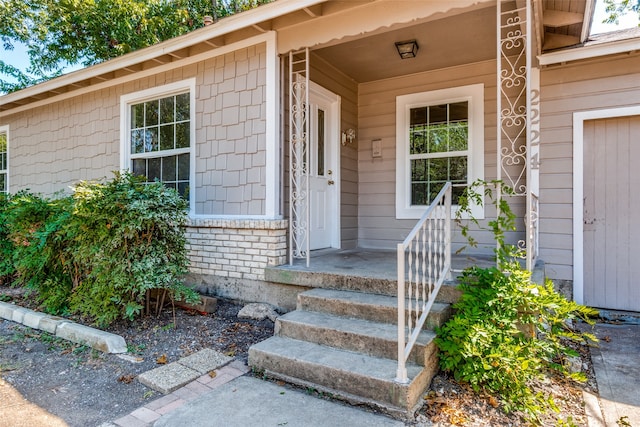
237	249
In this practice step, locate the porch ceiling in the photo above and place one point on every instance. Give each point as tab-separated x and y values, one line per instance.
466	38
564	23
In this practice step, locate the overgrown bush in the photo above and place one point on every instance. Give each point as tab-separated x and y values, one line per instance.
131	241
36	229
7	270
508	331
100	252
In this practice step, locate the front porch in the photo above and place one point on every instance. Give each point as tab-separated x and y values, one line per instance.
343	337
363	270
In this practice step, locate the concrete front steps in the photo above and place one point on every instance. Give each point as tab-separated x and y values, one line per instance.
344	343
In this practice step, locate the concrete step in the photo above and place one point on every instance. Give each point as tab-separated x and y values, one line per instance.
374	307
355	377
354	281
363	336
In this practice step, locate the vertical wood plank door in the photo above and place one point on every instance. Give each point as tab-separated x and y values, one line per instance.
612	213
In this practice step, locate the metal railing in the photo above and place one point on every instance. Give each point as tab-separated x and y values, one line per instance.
424	263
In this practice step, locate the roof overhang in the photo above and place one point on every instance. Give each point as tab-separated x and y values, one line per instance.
592	50
298	24
225	32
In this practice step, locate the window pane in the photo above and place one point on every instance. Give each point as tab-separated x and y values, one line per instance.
434	189
438	113
183	189
182	135
166	137
169	168
438	169
3	142
183	167
166	110
320	151
3	182
419	170
458	169
151	140
140	167
418	139
182	107
418	116
459	111
456	192
137	141
160	125
154	170
419	194
151	113
137	116
438	138
459	136
3	161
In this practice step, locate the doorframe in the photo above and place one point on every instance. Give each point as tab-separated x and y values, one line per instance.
333	130
579	117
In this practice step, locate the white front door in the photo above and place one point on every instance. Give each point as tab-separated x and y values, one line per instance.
324	171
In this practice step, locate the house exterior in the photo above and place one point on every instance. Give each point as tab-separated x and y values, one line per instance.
298	126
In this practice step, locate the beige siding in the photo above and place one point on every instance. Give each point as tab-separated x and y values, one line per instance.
596	84
54	146
378	226
332	79
230	156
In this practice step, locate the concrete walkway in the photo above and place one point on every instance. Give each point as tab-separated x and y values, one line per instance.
617	366
16	411
229	398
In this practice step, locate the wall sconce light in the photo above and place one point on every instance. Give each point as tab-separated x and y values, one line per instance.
407	49
348	136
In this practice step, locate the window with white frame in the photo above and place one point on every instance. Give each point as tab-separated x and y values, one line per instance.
440	138
159	135
4	160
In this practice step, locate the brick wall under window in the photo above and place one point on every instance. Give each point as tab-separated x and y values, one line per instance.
238	249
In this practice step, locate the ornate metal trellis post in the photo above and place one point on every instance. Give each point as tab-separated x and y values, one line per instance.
299	209
518	116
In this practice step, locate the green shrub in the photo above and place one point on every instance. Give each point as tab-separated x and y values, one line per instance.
131	240
37	229
508	331
7	270
101	251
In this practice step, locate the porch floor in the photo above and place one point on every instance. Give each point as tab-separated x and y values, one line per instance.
372	263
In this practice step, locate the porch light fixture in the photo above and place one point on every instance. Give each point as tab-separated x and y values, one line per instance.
407	49
348	136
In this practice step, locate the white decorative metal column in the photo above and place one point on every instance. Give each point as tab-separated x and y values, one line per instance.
518	115
299	209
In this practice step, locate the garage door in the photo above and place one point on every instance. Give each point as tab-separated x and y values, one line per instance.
612	213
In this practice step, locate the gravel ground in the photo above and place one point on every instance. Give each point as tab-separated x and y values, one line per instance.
86	388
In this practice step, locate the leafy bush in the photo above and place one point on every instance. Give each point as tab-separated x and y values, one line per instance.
36	229
131	241
508	331
7	269
100	252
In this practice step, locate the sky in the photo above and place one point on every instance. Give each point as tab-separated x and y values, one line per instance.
18	57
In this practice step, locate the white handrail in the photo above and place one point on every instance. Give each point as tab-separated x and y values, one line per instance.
424	263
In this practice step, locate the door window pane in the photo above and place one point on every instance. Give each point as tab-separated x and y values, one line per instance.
321	144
